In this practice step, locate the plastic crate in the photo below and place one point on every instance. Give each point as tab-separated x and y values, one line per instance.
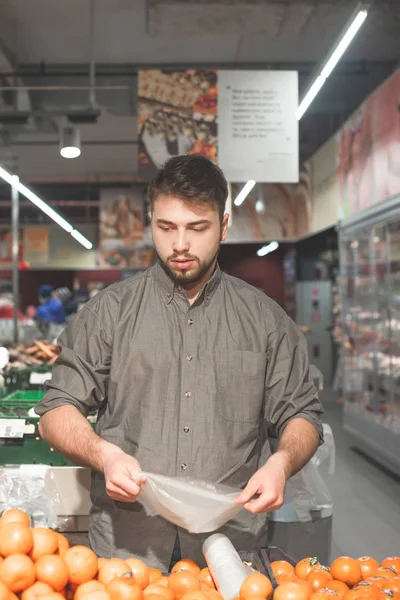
261	560
18	404
19	379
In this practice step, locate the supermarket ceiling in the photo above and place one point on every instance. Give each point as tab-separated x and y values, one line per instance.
45	51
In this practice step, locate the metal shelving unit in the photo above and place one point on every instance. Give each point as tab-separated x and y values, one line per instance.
370	292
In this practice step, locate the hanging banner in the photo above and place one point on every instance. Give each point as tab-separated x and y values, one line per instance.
272	211
257	127
368	151
177	114
36	244
125	239
243	120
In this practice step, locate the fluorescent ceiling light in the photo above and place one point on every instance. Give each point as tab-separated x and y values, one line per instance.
70	142
81	239
344	43
14	181
267	249
309	97
332	61
244	192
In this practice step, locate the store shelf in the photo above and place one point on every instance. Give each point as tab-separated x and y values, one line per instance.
373	438
370	287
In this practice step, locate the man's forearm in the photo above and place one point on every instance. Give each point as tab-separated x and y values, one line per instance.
68	431
298	445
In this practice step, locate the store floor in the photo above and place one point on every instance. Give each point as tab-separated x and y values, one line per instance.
366	518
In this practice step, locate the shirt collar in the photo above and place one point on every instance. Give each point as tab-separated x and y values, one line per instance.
169	288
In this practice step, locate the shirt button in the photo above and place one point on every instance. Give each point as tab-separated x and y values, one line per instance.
189	358
186	429
190	321
183	467
188	394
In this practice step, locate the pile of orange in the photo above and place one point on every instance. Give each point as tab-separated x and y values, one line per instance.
346	579
39	563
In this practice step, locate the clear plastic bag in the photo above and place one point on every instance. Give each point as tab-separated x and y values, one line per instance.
29	487
307	496
197	506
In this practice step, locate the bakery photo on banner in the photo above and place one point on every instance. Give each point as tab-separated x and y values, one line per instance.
368	150
125	239
177	114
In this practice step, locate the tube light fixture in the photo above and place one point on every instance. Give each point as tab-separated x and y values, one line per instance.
267	249
44	207
81	239
244	192
332	61
70	142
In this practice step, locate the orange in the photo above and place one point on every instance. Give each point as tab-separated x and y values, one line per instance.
125	588
281	568
339	587
213	595
81	564
285	578
324	594
256	584
161	590
163	581
4	591
97	595
368	566
366	588
378	581
15	515
45	542
186	565
206	577
37	589
17	572
304	566
393	562
89	586
319	577
346	569
293	590
154	574
140	571
53	571
102	561
393	585
386	572
182	582
63	543
154	597
15	538
53	596
194	595
112	568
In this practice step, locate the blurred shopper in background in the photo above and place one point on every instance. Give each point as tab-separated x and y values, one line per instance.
50	315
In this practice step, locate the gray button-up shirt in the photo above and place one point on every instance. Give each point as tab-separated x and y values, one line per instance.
188	390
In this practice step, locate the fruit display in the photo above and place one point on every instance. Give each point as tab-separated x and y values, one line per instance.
36	562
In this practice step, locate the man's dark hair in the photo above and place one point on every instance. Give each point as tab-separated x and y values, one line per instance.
193	178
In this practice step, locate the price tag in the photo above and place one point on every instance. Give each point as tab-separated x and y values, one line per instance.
12	428
39	378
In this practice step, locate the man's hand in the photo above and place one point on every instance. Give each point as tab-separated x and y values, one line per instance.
265	490
121	473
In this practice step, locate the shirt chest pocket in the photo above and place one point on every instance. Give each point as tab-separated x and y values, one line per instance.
240	385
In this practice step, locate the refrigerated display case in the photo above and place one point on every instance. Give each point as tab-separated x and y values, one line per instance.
370	292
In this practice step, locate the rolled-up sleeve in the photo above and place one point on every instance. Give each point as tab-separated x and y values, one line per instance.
80	374
289	391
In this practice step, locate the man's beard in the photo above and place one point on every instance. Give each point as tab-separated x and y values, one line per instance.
189	276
